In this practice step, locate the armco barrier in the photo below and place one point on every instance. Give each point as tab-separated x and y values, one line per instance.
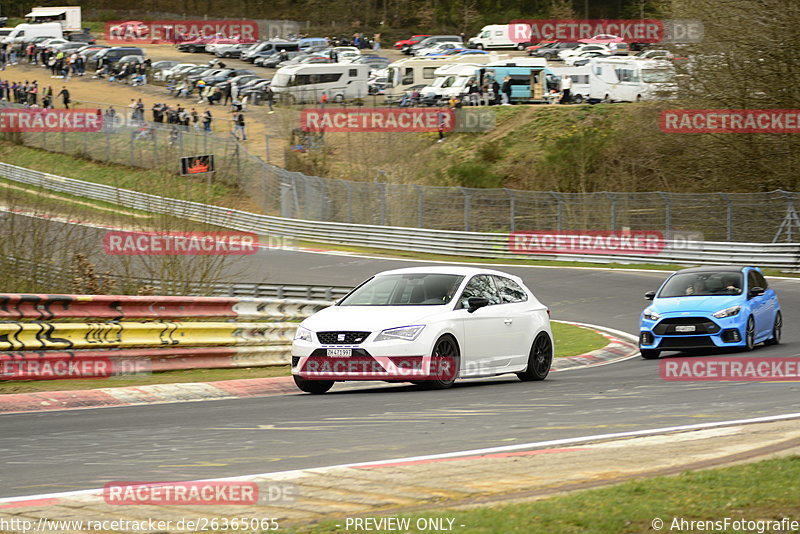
474	244
165	333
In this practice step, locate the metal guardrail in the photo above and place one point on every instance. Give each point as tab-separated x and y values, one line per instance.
118	334
472	244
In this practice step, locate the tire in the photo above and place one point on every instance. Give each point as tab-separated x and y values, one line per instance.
638	98
540	359
520	47
606	100
577	99
777	327
315	387
479	46
445	349
192	49
649	354
750	334
338	99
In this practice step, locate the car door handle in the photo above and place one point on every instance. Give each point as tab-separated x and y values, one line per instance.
508	321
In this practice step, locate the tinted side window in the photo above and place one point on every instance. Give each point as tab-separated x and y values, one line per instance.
480	285
509	290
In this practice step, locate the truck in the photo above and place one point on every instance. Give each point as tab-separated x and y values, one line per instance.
25	32
495	36
306	83
620	79
68	16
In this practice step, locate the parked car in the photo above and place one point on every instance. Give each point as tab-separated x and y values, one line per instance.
710	307
564	54
114	54
551	50
427	325
438	48
233	51
273	60
584	57
414	39
84	37
159	69
374	62
655	54
432	40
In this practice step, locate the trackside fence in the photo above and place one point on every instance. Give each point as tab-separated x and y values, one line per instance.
55	336
472	244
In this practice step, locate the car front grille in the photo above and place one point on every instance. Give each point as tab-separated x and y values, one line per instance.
342	338
693	342
702	325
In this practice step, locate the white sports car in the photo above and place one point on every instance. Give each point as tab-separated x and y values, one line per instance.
426	325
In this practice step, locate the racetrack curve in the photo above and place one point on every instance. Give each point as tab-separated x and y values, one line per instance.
71	450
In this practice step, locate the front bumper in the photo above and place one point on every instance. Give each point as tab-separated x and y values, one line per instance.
673	332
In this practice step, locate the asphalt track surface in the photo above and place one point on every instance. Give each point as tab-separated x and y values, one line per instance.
70	450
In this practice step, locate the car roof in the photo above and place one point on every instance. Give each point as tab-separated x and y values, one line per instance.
445	269
713	269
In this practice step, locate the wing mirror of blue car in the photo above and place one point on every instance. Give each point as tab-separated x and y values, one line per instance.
476	302
650	295
755	291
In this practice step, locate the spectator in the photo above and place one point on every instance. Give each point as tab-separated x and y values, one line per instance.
64	94
207	118
506	91
238	126
376	42
195	120
566	89
270	98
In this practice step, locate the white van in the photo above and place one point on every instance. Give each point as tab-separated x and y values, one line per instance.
451	80
307	83
405	74
495	36
620	79
24	32
580	81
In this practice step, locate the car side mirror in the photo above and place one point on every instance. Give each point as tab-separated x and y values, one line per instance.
476	302
650	295
755	291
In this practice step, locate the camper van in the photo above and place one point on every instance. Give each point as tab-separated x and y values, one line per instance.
307	83
495	36
267	48
619	79
580	81
26	32
419	72
528	84
69	17
450	80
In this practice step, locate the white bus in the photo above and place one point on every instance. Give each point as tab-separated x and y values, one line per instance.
619	79
307	83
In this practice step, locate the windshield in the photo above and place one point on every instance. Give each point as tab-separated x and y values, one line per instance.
658	76
281	80
703	284
405	290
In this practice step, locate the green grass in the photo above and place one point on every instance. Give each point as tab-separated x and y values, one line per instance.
164	377
757	491
570	340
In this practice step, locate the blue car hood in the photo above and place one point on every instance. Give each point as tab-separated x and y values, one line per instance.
707	304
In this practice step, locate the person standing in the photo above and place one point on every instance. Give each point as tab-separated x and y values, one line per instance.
238	126
207	118
64	94
376	42
566	89
506	90
195	120
270	98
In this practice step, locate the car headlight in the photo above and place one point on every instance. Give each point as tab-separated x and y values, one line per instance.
651	315
303	334
406	333
727	312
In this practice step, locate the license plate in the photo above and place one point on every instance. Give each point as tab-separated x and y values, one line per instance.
340	353
684	328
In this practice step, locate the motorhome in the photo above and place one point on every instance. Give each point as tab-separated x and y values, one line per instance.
307	83
418	72
26	32
618	79
495	36
528	84
69	17
580	81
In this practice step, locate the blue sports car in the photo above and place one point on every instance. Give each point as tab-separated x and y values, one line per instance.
710	307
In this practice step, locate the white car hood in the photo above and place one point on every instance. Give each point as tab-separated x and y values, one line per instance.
371	318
